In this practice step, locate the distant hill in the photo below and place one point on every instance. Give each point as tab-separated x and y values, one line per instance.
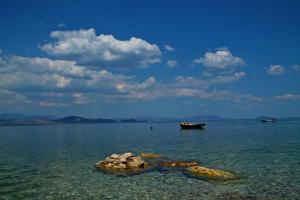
132	121
37	122
78	120
15	119
17	116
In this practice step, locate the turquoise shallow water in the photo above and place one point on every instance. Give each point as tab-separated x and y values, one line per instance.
56	162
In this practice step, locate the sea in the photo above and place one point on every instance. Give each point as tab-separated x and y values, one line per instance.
57	161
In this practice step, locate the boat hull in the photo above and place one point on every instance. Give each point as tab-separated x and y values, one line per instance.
268	121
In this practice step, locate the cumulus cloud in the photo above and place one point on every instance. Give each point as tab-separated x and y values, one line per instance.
87	48
169	48
43	74
51	83
171	63
275	70
221	59
42	65
55	82
193	87
288	97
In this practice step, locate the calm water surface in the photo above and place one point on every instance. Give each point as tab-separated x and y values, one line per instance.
56	162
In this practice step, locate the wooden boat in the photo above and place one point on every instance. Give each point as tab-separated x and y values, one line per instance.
269	120
187	125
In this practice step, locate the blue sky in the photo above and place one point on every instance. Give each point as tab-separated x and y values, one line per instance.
150	58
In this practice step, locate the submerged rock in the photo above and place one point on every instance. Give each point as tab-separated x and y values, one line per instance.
178	164
128	164
124	163
150	155
203	172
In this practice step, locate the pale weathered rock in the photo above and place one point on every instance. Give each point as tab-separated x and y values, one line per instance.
126	155
109	159
114	156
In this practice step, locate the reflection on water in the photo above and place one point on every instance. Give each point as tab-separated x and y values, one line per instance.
56	162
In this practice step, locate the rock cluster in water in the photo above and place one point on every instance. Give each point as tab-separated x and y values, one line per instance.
123	162
127	164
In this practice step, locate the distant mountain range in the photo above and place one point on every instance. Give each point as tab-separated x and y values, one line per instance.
78	120
17	116
131	121
12	119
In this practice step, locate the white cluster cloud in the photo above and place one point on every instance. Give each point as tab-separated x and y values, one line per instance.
48	83
221	59
171	63
75	74
42	65
192	87
86	48
42	74
25	74
275	70
220	66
